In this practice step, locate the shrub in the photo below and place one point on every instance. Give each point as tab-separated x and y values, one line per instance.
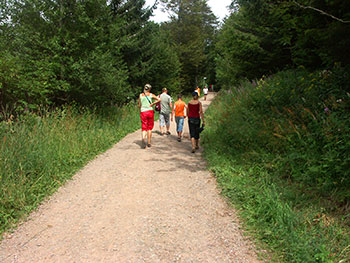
280	149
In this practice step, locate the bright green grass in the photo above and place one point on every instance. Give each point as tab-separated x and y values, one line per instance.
40	153
255	142
292	226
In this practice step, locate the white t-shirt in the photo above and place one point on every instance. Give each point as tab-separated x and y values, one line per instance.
205	91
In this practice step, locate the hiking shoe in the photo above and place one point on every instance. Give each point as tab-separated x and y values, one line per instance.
179	139
149	145
193	151
168	133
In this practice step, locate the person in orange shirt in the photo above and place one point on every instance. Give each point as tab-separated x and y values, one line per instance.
198	90
179	109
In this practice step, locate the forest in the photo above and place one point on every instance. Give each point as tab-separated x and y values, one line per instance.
98	52
277	135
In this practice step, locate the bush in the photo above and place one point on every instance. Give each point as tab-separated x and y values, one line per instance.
280	149
303	118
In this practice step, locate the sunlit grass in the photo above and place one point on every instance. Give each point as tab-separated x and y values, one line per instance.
40	152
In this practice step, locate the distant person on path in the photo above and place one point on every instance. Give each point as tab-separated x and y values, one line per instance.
147	114
166	107
198	90
195	114
205	92
179	109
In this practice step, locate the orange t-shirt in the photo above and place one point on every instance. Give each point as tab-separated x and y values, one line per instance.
180	108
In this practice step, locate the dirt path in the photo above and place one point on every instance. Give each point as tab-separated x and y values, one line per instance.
134	205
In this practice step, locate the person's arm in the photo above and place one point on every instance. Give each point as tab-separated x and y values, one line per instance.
186	110
140	102
172	109
201	112
156	100
172	112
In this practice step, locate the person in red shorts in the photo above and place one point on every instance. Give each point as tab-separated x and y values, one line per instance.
147	114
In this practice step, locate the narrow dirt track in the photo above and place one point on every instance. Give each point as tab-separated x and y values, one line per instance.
158	204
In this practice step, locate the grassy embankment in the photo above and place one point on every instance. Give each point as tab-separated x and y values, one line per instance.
39	152
280	149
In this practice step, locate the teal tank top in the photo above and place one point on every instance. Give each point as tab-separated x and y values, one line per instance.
145	103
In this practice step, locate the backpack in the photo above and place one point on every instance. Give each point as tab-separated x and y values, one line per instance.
157	107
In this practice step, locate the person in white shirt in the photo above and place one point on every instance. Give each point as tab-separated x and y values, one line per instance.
205	92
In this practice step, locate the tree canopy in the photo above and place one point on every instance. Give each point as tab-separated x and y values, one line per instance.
263	37
99	52
192	29
91	52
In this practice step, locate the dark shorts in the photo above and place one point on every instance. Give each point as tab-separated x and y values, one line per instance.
194	124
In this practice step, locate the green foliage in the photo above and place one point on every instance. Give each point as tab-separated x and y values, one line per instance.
261	38
164	67
320	39
86	52
192	30
238	53
134	40
280	150
40	152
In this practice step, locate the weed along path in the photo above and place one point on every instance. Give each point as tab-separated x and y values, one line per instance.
158	204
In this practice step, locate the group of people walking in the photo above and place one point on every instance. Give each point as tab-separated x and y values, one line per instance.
193	110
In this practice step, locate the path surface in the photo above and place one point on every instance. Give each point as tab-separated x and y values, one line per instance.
134	205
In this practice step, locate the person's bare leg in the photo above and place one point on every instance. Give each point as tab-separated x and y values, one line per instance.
179	136
197	143
193	141
143	135
149	135
168	129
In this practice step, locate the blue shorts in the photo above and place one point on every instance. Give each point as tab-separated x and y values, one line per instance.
179	123
164	119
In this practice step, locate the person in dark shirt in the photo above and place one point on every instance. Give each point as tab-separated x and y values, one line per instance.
195	114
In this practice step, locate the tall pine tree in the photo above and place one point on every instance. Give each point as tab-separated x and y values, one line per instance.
192	28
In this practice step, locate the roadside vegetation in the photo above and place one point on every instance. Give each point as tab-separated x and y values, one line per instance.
277	136
280	150
41	151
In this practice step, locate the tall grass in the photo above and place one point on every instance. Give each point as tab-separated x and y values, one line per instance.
39	152
280	149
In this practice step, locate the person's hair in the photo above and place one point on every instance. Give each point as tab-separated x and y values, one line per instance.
164	89
179	96
147	87
195	94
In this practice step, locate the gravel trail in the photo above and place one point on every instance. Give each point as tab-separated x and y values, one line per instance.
129	204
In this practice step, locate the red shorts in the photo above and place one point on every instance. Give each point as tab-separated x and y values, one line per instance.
147	120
